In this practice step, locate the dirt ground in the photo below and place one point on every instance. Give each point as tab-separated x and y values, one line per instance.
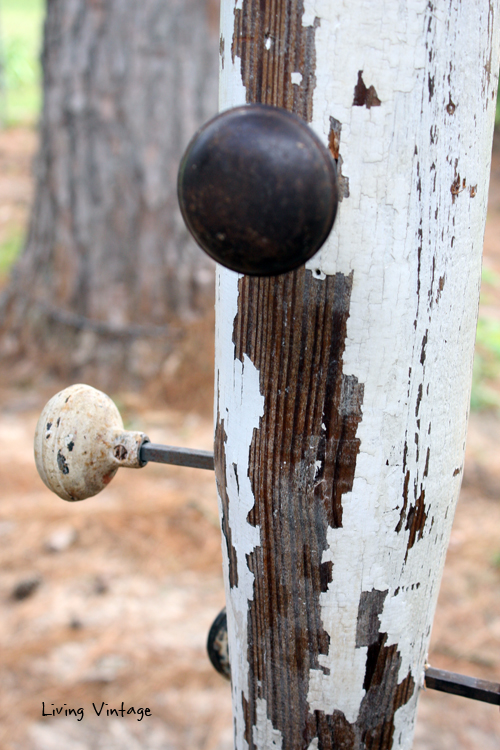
111	599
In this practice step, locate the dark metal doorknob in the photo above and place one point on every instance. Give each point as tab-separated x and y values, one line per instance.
258	190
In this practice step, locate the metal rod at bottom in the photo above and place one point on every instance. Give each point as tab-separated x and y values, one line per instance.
435	679
460	684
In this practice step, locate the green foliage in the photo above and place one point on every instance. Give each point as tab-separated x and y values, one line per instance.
20	66
9	251
20	38
491	278
486	369
488	339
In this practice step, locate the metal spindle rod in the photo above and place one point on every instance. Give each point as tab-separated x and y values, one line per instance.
460	684
167	454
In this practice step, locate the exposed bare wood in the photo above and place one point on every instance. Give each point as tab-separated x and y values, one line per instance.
342	389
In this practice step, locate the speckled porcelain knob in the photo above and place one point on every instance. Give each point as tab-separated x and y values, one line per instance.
80	443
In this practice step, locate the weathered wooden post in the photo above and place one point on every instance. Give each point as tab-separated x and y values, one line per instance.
343	388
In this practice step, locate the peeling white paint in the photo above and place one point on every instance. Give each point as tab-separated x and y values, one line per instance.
231	90
376	237
239	404
399	183
264	735
296	78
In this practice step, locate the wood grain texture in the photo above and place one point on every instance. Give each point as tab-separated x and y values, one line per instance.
302	461
271	43
342	389
221	479
303	456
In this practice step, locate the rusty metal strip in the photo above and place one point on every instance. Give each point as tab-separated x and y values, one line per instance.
460	684
167	454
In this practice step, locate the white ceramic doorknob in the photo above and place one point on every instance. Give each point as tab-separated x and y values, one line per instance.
80	443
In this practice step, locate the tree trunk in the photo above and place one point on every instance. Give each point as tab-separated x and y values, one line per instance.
108	260
343	388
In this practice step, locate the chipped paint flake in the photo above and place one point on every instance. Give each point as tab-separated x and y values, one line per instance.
231	89
265	737
240	405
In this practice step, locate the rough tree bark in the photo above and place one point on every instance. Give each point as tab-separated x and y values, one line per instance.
343	388
108	261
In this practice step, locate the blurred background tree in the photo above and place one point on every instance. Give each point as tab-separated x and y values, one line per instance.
125	87
108	275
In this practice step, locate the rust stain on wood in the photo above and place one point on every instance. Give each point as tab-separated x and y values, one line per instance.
459	185
302	459
334	146
440	286
451	106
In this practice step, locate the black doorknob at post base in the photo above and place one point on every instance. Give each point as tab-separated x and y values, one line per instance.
217	645
258	190
435	679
